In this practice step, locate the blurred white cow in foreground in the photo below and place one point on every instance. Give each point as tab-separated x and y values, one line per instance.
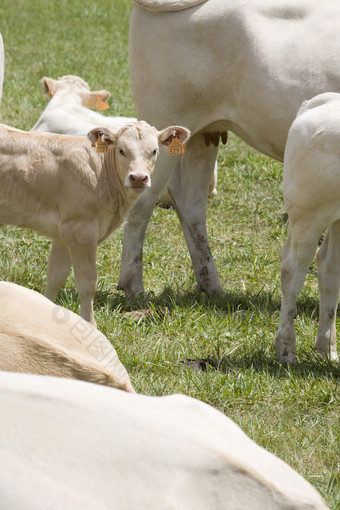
311	189
215	66
38	337
68	110
77	191
72	445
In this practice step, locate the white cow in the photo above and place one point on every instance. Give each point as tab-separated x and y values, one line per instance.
77	191
2	65
72	445
39	337
215	66
311	189
68	110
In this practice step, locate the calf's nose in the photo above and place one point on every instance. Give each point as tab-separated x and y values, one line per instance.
138	179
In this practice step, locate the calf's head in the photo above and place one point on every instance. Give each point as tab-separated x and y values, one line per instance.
75	87
136	147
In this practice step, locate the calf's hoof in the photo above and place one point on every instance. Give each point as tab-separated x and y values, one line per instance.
133	292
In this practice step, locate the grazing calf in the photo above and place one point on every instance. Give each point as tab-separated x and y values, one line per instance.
311	188
77	191
39	337
73	445
67	111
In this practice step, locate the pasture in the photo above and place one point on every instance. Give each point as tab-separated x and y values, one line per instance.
217	350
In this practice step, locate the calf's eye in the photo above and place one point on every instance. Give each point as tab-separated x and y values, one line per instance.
121	152
155	152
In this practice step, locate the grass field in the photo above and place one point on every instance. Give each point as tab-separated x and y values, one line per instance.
219	351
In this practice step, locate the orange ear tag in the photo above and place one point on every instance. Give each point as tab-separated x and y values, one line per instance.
51	92
101	105
176	146
100	145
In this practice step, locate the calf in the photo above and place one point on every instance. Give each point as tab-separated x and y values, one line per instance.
77	191
2	65
67	111
39	337
311	188
75	445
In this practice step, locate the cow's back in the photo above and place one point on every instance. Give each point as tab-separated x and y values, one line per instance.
74	445
241	66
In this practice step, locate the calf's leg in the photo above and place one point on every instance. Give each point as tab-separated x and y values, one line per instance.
59	266
328	259
296	256
82	241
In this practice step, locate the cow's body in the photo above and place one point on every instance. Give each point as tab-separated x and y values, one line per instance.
311	188
74	445
68	110
222	65
62	187
38	337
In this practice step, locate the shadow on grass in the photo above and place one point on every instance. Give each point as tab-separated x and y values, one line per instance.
262	362
229	303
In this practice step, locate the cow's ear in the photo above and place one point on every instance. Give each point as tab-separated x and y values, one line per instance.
96	99
48	86
102	134
169	133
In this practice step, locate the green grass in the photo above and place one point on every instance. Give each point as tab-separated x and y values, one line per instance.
228	341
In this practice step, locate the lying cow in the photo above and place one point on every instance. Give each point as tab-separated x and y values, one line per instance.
221	65
73	445
311	189
68	112
39	337
77	191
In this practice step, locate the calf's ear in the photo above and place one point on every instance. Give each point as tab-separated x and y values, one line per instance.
48	86
96	99
170	132
104	134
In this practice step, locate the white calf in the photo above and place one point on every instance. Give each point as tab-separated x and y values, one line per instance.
311	188
72	445
77	191
39	337
67	111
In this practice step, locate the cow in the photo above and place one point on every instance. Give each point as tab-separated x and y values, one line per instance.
68	110
311	189
75	445
77	191
215	66
38	337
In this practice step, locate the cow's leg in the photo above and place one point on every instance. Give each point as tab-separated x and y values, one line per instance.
82	242
189	187
296	256
59	266
329	284
131	272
